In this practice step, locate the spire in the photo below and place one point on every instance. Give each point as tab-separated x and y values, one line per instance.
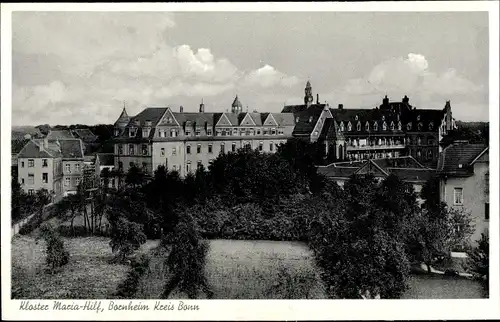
202	106
308	98
236	107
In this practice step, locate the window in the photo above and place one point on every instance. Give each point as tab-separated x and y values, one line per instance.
458	196
419	126
145	133
248	145
188	149
173	133
261	145
199	164
392	126
429	155
341	126
408	126
31	191
131	149
144	149
487	211
120	150
399	125
144	167
367	126
162	152
22	180
349	126
31	163
31	178
375	126
45	163
187	132
271	146
419	141
358	127
280	131
198	148
174	150
67	168
197	133
233	147
265	131
222	148
310	119
297	119
66	182
210	148
132	132
77	167
431	126
188	166
384	126
22	164
77	180
235	131
209	132
273	131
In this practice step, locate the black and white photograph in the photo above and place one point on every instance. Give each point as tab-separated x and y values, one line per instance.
161	157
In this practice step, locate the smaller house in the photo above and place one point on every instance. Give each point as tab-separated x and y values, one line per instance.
406	168
85	135
59	135
106	161
463	171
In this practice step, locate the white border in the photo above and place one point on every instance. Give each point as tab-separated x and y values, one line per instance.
267	309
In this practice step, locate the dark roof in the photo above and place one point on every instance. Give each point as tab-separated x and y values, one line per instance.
19	132
17	145
236	102
86	135
456	159
72	149
59	135
307	120
35	149
123	119
200	119
382	166
301	108
106	159
407	174
332	171
151	114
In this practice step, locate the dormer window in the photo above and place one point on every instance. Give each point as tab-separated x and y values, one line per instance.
418	117
341	126
310	119
392	126
358	126
419	126
173	133
132	132
431	126
384	126
145	132
297	119
367	126
399	125
137	122
375	126
383	118
408	126
356	117
349	126
169	120
148	123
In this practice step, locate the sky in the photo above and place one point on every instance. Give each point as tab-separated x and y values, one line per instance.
83	67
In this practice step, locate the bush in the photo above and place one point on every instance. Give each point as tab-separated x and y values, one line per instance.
31	225
57	255
129	287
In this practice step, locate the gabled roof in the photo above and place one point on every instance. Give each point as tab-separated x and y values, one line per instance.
200	119
72	149
34	149
85	134
59	135
151	114
284	119
301	108
457	158
407	174
399	162
307	121
19	132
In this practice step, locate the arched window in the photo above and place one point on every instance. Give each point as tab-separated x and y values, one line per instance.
349	126
431	126
341	152
399	125
375	126
419	141
392	126
342	126
419	126
384	126
408	126
367	126
358	126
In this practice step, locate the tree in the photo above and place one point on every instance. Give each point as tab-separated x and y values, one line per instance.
479	262
186	260
57	255
135	176
126	237
67	208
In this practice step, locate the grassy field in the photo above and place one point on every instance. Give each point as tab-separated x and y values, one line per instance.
248	270
87	275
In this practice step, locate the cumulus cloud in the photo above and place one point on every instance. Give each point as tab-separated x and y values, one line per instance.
268	76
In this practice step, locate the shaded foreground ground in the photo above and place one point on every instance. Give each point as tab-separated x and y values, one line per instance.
235	270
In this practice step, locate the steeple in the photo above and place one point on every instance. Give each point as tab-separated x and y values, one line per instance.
202	107
236	107
308	98
122	121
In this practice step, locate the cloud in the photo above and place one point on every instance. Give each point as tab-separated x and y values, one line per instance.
268	76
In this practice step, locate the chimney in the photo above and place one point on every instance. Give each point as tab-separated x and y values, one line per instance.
406	100
317	99
341	106
181	109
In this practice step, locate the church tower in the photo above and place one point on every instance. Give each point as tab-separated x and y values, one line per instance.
236	107
308	98
121	122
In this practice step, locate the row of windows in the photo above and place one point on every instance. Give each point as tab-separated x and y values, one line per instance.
384	126
222	148
132	150
31	163
223	132
31	178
